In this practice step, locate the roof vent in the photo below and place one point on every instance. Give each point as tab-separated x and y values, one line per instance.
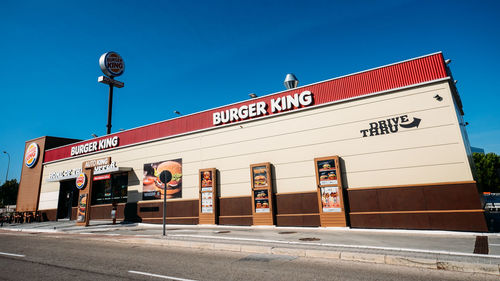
291	81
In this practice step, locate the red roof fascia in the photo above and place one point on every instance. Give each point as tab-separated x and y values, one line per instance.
398	75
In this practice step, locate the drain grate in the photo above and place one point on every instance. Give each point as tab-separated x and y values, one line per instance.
481	246
287	232
222	231
309	239
266	258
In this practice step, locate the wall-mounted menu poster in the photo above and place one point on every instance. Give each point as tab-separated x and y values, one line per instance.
82	208
330	199
206	181
207	203
261	201
260	177
327	172
153	188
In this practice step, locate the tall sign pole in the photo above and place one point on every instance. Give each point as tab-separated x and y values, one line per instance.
110	109
112	65
165	178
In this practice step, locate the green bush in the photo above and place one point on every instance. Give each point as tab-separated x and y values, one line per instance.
8	193
487	171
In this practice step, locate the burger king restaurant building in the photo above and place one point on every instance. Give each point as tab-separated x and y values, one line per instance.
382	148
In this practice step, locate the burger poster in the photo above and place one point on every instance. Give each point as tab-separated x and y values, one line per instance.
153	188
327	172
330	199
207	203
82	208
261	201
260	177
206	181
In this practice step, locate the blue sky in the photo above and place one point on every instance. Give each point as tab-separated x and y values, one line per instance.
195	55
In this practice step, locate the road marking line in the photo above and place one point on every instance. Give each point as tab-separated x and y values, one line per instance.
14	255
494	244
159	276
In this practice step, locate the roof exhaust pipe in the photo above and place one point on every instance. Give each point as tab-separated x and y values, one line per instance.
291	81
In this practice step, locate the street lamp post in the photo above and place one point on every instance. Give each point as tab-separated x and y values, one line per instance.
8	165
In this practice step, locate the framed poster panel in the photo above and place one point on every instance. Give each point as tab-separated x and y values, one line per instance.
262	194
330	193
208	196
84	184
153	188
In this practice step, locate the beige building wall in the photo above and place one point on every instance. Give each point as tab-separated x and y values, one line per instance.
432	153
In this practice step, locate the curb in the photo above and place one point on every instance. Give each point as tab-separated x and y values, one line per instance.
333	229
31	230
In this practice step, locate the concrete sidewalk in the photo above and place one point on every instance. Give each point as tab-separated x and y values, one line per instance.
445	250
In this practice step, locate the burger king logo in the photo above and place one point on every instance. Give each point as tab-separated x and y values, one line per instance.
112	64
31	155
81	180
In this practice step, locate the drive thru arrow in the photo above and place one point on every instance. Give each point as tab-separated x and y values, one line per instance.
414	123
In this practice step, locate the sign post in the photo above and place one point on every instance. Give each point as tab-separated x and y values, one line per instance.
84	184
112	65
207	206
165	177
330	192
262	194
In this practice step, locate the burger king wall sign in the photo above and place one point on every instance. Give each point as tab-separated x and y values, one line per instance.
81	180
31	155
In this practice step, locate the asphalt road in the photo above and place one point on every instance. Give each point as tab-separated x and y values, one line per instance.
59	257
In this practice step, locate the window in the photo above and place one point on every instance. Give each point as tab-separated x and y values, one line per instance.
113	189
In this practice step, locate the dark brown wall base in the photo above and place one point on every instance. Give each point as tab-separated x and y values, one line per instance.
104	212
186	212
303	220
469	221
50	215
171	220
235	210
450	206
297	209
292	209
236	220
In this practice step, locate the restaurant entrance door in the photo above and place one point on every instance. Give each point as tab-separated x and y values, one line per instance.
67	198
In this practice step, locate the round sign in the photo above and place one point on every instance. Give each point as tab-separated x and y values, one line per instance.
111	64
31	155
165	176
81	180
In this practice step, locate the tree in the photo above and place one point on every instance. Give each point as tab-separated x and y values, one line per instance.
487	171
8	193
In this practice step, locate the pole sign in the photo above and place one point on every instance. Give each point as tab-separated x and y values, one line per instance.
110	81
112	64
